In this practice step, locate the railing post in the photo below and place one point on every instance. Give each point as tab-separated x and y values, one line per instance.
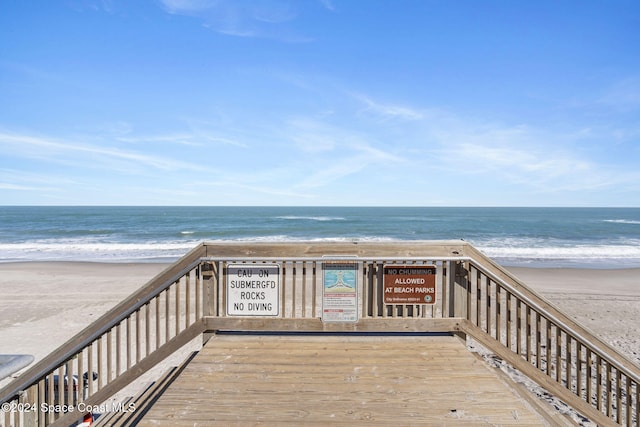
30	397
210	303
458	291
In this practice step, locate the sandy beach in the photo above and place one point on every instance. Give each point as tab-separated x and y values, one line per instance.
45	303
607	302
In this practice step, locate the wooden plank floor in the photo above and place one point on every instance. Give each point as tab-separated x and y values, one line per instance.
348	380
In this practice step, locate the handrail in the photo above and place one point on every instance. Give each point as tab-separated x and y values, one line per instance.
559	319
476	296
477	334
553	312
337	258
98	328
598	379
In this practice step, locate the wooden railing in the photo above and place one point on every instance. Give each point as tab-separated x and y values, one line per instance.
474	297
109	354
551	348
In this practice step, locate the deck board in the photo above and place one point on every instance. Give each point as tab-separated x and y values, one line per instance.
348	380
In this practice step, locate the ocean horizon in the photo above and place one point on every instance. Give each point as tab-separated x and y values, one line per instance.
516	236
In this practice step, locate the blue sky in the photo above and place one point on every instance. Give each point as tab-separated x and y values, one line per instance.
320	102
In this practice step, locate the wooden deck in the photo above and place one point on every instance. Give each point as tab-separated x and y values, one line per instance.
339	380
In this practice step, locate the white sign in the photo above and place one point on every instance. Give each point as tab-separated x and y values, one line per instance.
253	289
340	291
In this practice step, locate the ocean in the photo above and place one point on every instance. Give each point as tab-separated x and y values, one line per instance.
535	237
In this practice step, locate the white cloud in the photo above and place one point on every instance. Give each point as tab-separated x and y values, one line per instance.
389	111
326	175
178	138
541	159
185	138
106	6
532	159
40	183
86	155
526	163
623	95
311	136
328	4
187	6
263	19
17	187
274	12
259	189
337	163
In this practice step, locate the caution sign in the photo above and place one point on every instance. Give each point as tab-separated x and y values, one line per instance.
253	289
409	284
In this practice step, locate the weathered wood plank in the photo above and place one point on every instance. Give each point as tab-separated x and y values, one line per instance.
320	379
538	376
381	324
